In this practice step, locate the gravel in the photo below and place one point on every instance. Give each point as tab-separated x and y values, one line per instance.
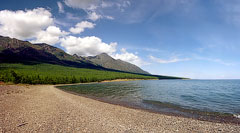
44	108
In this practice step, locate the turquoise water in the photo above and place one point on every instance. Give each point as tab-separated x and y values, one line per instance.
174	96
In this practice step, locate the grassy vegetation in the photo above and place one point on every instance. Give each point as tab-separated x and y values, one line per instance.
56	74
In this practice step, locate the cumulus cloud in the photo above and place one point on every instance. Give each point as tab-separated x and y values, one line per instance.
60	7
129	57
94	16
24	24
162	61
50	36
80	27
35	25
87	46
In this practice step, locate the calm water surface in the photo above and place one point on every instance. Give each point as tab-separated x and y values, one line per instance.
175	96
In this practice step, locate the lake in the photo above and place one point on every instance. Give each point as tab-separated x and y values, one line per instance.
206	99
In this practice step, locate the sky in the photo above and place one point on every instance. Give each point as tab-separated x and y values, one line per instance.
198	39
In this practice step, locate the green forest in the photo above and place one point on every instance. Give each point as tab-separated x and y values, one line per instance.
55	74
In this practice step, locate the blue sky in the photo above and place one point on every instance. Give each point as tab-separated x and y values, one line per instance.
188	38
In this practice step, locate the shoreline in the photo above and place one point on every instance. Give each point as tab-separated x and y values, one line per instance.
44	108
216	117
104	81
208	118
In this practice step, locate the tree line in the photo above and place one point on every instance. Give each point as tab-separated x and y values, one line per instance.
53	74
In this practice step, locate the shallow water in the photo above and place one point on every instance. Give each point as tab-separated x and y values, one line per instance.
174	96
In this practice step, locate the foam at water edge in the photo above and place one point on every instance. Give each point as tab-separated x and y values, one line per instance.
237	116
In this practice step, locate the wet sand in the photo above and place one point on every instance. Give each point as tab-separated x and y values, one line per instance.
44	108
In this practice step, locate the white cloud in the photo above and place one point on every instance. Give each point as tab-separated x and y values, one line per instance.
24	24
94	16
50	36
87	46
126	3
105	4
129	57
98	9
162	61
80	27
35	25
219	61
60	7
82	4
72	16
123	5
96	4
148	10
109	17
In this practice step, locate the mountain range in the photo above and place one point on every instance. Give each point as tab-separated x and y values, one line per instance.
13	50
107	61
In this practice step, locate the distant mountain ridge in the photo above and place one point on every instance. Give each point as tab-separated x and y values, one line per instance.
107	61
14	50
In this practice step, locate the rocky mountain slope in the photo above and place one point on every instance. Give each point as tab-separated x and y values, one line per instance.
107	61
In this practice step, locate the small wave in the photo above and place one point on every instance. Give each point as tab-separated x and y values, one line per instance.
189	98
190	111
